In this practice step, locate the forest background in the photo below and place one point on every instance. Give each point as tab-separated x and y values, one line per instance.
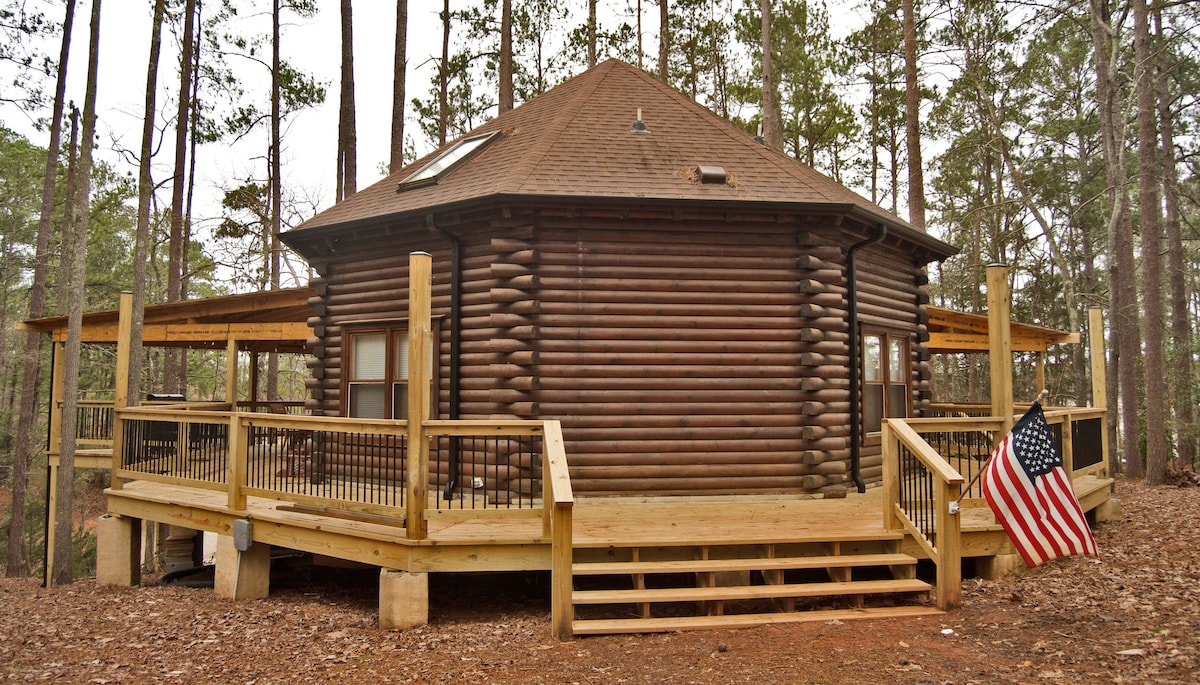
1058	137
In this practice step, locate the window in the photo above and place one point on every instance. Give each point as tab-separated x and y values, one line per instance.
376	370
885	374
447	161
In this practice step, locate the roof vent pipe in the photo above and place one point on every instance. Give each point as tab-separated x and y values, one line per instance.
759	137
639	126
711	174
856	426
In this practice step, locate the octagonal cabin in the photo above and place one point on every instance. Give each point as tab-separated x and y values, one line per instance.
694	307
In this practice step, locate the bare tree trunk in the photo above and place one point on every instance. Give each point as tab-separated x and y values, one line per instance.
1124	330
399	66
912	103
664	41
444	77
1151	244
276	183
591	30
18	559
641	50
347	166
506	57
1183	376
64	507
772	122
141	243
173	362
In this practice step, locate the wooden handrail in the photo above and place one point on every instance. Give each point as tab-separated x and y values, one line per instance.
947	553
558	503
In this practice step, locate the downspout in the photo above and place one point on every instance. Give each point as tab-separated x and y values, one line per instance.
455	345
855	361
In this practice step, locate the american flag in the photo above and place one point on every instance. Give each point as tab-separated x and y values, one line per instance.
1031	494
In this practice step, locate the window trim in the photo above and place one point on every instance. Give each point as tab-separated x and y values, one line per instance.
393	332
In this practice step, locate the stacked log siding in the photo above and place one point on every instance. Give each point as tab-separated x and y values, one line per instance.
682	354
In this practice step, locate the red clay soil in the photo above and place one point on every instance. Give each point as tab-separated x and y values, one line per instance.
1131	616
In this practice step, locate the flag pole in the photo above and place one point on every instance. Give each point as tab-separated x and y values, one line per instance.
1040	398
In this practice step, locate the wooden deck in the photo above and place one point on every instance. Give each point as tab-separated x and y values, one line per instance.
514	540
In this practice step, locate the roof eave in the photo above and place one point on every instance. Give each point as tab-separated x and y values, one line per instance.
307	241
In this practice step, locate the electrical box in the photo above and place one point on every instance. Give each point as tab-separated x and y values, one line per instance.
243	535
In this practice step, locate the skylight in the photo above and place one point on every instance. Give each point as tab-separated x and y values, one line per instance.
447	161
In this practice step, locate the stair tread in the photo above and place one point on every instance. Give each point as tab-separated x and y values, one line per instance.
657	539
659	625
738	592
740	564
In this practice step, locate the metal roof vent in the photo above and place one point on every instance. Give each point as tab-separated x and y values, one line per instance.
639	126
711	174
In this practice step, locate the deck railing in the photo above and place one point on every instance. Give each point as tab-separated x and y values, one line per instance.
1079	432
93	423
919	487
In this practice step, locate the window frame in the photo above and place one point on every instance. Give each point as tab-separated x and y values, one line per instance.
393	333
886	383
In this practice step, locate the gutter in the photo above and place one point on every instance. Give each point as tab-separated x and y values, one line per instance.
455	345
881	230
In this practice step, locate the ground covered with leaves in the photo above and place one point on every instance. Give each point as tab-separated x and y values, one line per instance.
1131	616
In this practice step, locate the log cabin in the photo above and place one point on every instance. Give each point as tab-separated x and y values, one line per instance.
652	357
615	256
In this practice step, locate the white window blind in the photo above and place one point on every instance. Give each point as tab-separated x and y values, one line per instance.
370	357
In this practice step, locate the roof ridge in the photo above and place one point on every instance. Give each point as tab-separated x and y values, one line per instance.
537	152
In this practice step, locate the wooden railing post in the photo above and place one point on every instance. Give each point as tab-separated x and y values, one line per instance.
1000	345
121	390
420	285
562	579
239	447
1068	445
949	546
891	479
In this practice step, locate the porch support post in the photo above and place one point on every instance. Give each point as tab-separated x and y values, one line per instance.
1039	370
403	599
231	354
1000	345
58	354
420	280
242	574
1099	379
121	392
1096	347
118	550
253	378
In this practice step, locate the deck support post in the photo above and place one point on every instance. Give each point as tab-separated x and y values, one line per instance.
998	566
403	599
242	574
949	546
118	551
121	390
58	354
1000	345
420	326
1099	379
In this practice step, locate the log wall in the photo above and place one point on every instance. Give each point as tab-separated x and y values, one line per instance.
683	354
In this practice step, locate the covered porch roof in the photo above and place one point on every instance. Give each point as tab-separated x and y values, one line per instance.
952	331
269	321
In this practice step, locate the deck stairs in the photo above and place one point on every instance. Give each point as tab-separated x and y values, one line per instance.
737	584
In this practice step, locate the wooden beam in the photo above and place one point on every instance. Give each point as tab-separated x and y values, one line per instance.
180	333
420	329
1000	347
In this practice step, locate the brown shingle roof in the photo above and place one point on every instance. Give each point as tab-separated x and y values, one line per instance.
576	141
